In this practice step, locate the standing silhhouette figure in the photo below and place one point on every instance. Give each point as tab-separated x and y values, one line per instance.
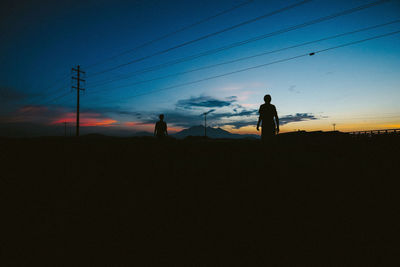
161	128
268	117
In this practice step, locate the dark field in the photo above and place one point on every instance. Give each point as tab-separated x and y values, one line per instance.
305	200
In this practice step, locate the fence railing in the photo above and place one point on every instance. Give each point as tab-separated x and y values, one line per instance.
373	132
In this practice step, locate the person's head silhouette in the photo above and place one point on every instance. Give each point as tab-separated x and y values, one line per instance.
267	99
161	117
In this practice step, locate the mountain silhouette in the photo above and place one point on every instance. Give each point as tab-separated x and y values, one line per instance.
211	133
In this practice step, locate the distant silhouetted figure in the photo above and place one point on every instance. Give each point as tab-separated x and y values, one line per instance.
161	128
267	114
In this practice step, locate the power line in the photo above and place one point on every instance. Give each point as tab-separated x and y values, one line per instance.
356	42
49	101
32	103
47	89
44	103
266	64
58	97
258	38
173	33
347	11
363	117
204	37
248	57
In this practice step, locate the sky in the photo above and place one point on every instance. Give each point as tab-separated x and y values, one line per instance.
183	58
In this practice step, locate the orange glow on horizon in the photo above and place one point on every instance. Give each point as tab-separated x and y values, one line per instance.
174	129
102	122
86	120
392	126
132	123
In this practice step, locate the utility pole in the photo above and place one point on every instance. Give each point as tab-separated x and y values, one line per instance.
78	72
334	125
205	121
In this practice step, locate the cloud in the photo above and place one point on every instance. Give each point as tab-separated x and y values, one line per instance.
246	118
240	124
50	115
132	123
177	118
236	113
128	113
33	110
139	123
205	102
114	110
296	118
292	89
186	119
236	118
32	113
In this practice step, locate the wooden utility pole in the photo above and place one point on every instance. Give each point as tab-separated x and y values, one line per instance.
78	72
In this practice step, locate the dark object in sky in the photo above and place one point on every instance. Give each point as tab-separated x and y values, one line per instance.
311	54
161	128
267	115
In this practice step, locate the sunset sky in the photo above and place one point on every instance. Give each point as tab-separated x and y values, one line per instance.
130	80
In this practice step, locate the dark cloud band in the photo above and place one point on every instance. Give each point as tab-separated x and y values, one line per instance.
205	102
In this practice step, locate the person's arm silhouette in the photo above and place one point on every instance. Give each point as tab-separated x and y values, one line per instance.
259	119
166	131
276	120
155	130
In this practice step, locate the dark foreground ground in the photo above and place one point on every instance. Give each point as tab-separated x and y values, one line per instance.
326	201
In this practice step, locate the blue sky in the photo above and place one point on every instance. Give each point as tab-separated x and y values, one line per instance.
356	87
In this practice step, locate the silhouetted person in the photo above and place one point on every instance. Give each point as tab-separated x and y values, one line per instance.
267	113
161	128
